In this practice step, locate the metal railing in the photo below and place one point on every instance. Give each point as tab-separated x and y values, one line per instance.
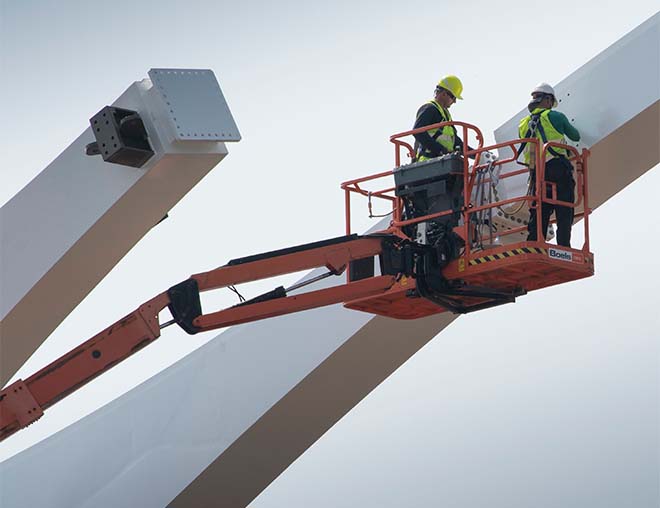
470	173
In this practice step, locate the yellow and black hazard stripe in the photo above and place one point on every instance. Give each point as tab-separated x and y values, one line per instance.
507	254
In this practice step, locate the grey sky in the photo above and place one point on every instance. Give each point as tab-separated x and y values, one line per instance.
549	402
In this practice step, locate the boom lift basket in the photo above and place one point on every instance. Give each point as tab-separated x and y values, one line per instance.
480	274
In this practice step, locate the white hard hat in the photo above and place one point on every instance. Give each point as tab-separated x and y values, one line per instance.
546	89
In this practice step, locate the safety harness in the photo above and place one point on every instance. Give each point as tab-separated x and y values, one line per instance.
445	117
534	125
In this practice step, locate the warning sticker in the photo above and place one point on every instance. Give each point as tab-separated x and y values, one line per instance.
505	254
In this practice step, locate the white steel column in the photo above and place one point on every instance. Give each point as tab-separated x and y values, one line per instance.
70	226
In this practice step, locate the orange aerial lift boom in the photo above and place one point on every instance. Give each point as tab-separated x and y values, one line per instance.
431	259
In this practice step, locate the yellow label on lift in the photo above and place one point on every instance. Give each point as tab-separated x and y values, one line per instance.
403	281
461	265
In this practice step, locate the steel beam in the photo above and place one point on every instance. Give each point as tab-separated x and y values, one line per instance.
71	225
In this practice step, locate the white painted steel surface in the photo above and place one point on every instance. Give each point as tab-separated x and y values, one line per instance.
194	105
73	222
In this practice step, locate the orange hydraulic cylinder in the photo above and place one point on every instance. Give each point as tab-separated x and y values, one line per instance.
296	303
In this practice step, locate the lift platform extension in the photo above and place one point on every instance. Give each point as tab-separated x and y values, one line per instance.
413	277
506	271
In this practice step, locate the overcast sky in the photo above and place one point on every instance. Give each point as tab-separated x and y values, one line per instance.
552	401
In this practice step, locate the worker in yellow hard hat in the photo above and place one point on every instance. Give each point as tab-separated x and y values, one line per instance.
436	142
548	125
428	145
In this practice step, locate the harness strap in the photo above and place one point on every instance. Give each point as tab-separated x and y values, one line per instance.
534	125
545	140
531	132
419	149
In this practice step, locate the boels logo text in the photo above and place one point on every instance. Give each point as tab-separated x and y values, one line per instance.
565	255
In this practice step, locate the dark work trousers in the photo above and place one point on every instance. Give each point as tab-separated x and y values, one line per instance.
559	171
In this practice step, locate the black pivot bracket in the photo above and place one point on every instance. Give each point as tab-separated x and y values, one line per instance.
185	304
455	295
120	137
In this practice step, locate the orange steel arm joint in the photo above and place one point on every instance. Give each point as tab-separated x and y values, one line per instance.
24	401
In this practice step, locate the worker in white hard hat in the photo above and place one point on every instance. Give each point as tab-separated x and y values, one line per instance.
548	125
436	142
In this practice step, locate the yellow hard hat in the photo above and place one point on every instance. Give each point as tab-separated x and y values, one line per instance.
453	84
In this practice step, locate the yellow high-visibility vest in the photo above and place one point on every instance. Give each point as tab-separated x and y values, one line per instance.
446	137
551	134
